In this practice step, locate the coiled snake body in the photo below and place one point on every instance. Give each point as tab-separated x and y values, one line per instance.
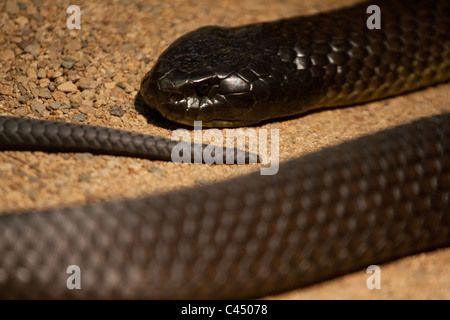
363	202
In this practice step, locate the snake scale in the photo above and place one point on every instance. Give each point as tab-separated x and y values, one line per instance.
363	202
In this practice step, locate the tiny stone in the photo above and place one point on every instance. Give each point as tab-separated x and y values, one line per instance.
37	17
21	111
50	74
23	22
110	85
44	82
7	55
67	64
33	179
88	95
6	90
128	88
75	99
55	64
35	92
58	73
24	43
117	93
91	70
21	87
31	72
38	107
33	49
117	111
69	58
138	55
79	117
58	95
55	105
59	80
23	99
6	167
82	155
156	169
42	64
41	73
22	6
86	107
201	181
84	177
45	93
87	83
121	85
72	75
67	86
74	45
12	7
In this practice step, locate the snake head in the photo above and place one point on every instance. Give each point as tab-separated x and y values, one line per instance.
205	75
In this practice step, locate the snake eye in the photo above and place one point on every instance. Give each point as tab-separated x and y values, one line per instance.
203	89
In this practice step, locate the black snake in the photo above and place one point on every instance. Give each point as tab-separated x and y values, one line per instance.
363	202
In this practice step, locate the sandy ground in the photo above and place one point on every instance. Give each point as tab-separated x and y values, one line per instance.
92	76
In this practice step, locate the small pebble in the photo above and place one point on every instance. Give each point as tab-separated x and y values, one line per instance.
32	73
33	49
6	90
110	85
117	93
67	64
45	93
87	83
33	178
117	111
79	117
21	111
22	5
12	7
67	86
82	155
84	177
155	169
41	73
7	55
72	75
58	95
44	83
38	107
55	105
23	99
201	181
55	64
74	45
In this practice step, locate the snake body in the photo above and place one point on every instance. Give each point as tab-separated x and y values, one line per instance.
363	202
246	75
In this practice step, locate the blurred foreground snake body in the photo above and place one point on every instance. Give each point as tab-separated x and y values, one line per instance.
334	211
